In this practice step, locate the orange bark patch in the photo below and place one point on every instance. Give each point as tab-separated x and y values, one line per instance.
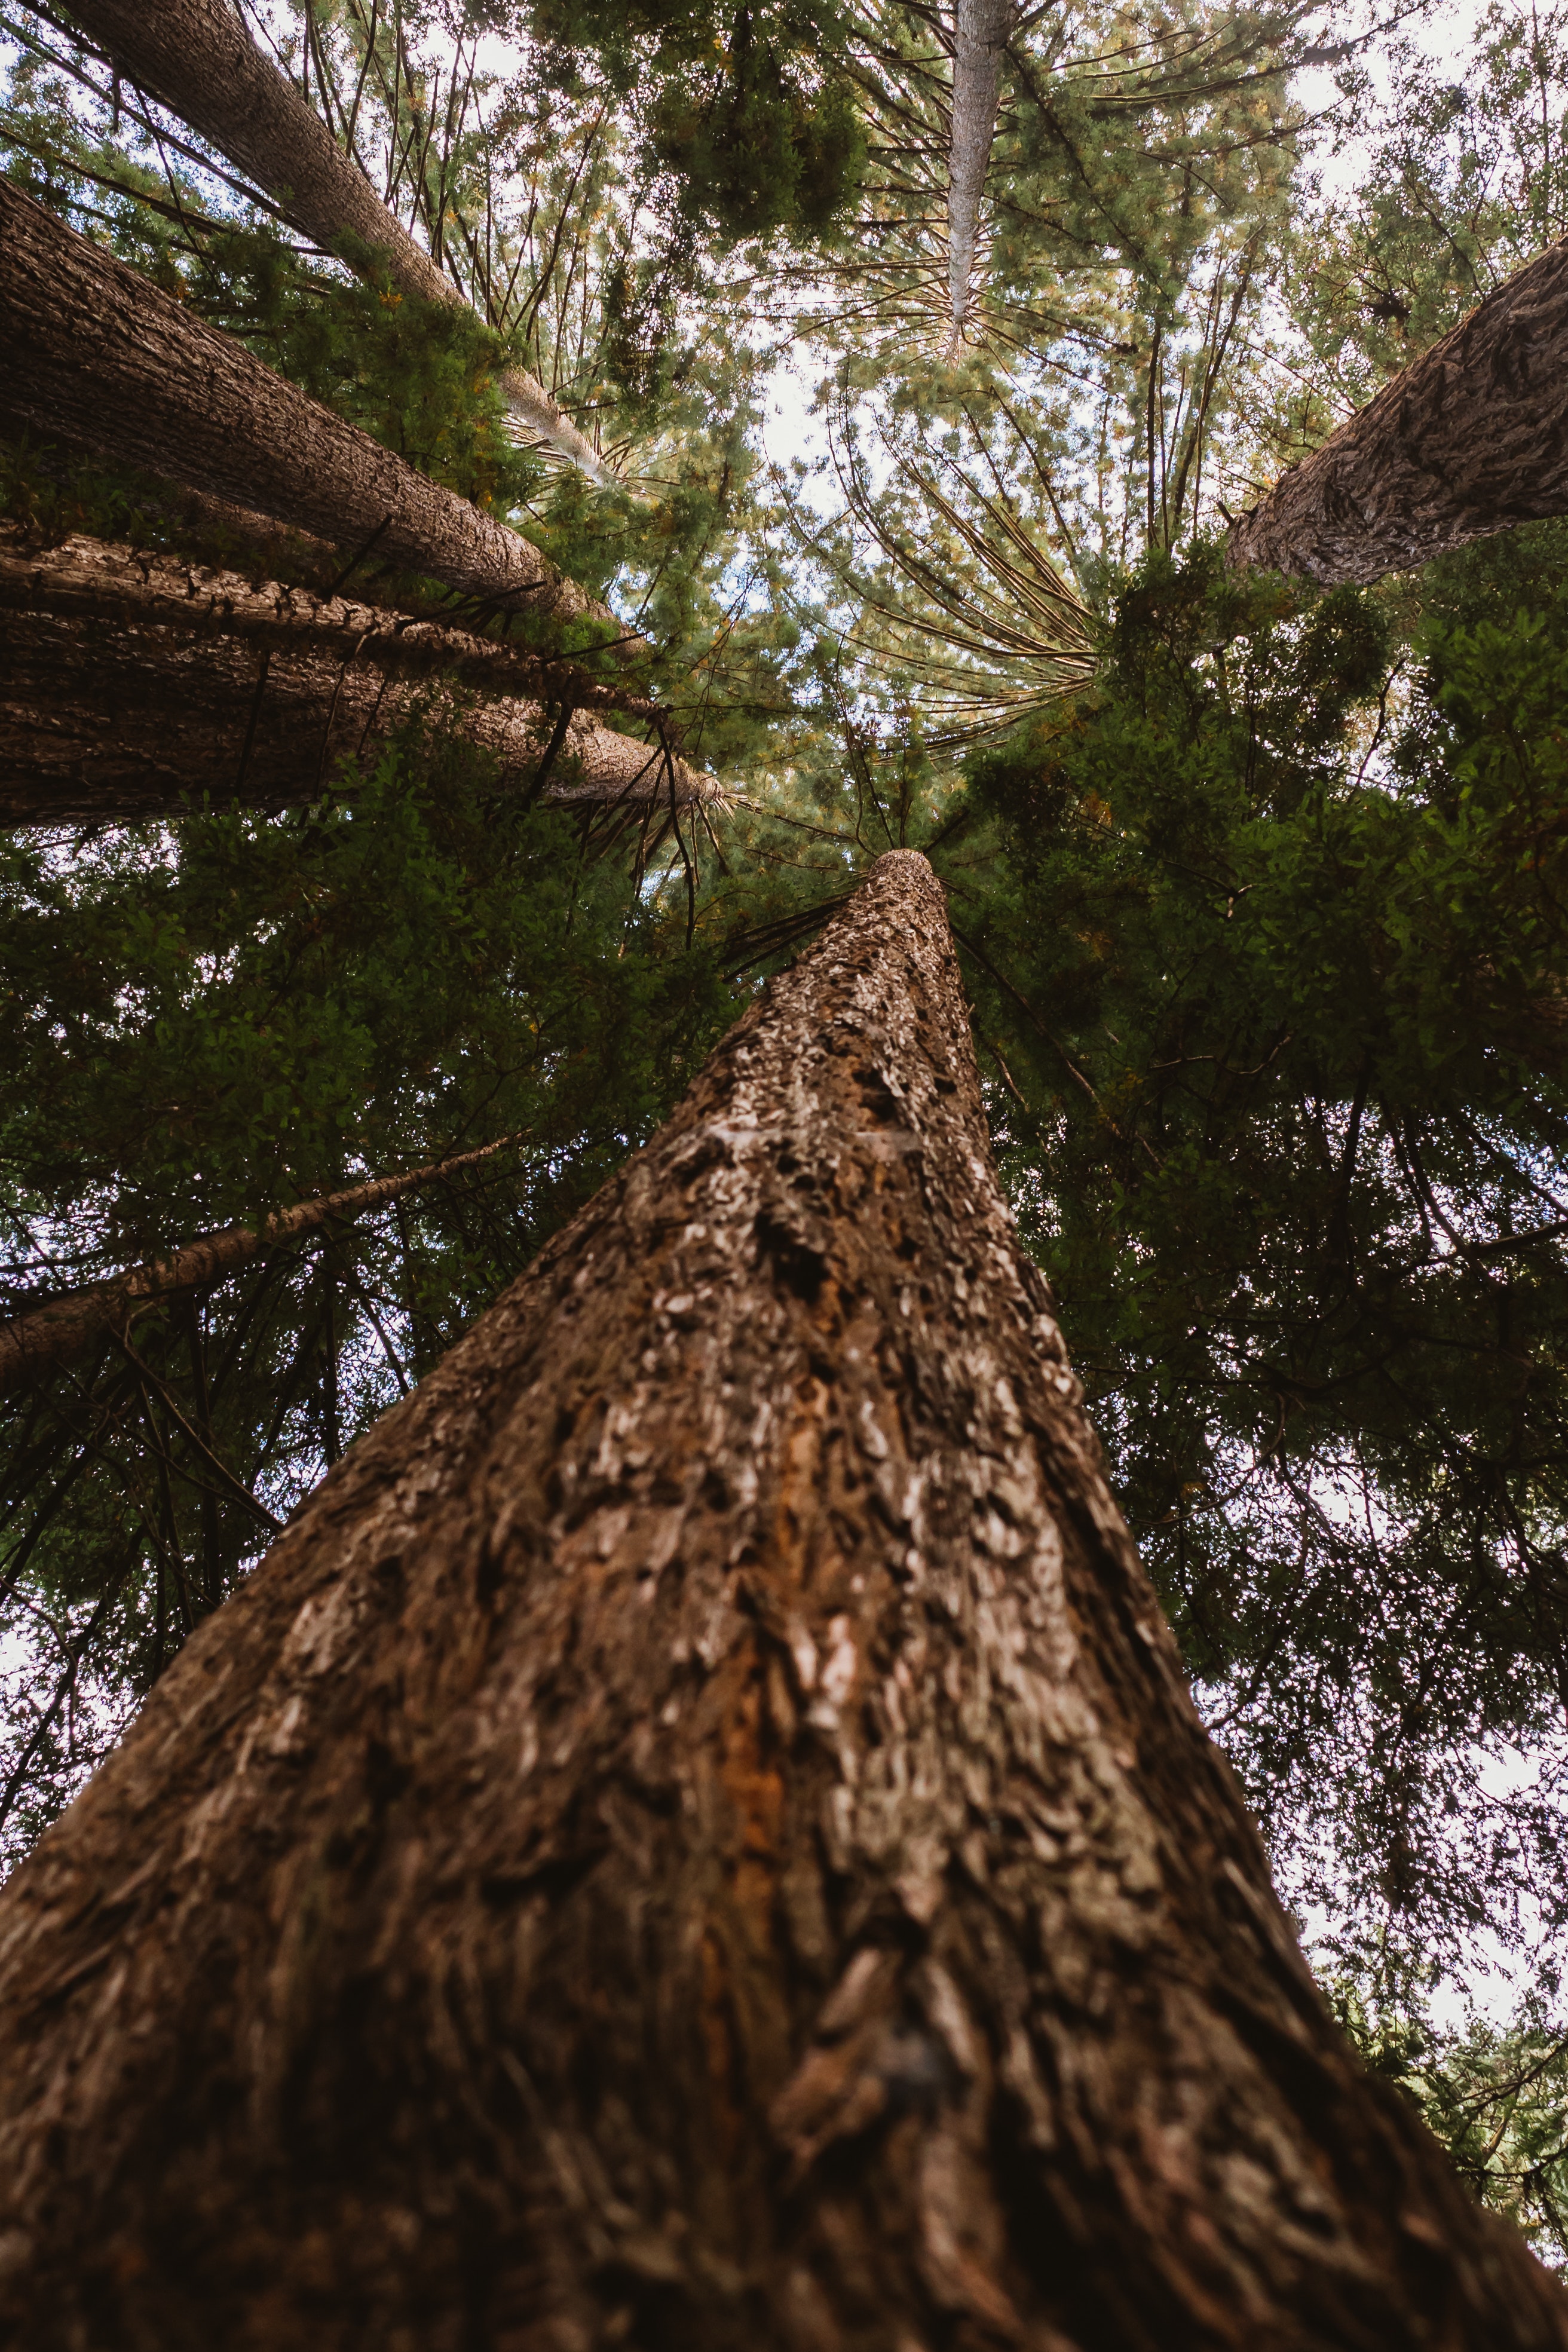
755	1788
716	2018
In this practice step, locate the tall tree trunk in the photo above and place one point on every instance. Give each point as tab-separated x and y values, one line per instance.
1470	438
107	580
981	30
696	1836
135	686
197	57
96	351
45	1340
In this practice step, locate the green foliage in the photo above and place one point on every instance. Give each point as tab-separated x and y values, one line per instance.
288	993
754	152
1140	166
1271	969
419	376
745	107
1495	2095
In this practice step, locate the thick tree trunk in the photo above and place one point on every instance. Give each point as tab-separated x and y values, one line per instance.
696	1837
133	685
1470	438
197	57
63	1331
110	581
981	30
96	351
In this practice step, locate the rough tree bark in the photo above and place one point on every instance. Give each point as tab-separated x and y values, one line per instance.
696	1837
96	351
1470	438
63	1331
133	685
83	578
981	30
197	57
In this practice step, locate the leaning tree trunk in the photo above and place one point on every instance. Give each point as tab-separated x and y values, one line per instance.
1470	438
109	582
63	1331
133	685
96	351
197	57
980	33
696	1836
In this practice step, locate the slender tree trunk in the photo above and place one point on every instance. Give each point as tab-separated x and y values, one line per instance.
197	57
45	1340
981	30
1470	438
696	1837
134	686
96	351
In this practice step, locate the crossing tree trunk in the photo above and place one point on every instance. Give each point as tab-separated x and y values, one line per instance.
197	57
96	351
134	686
67	1331
696	1838
1470	438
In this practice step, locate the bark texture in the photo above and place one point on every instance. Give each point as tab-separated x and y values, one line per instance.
134	686
197	57
981	30
696	1837
1470	438
48	1338
96	351
87	579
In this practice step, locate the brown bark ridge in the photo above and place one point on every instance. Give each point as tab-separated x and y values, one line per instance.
1470	438
696	1837
94	350
134	686
981	31
61	1332
198	58
84	578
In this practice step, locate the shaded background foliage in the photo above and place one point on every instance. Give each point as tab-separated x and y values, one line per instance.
1289	1147
259	1012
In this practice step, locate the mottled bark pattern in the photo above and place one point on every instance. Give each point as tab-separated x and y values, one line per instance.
1470	438
134	686
197	57
696	1836
96	351
36	1345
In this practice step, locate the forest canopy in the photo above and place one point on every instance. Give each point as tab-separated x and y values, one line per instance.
926	357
